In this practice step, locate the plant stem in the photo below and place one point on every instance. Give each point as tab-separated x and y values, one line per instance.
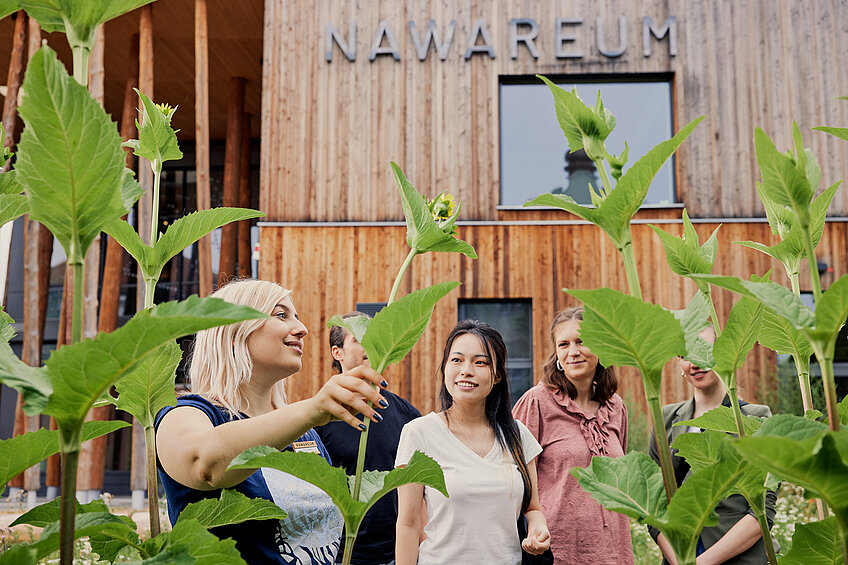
767	541
737	410
602	172
154	216
713	314
149	291
348	550
795	281
812	263
406	262
360	457
78	273
830	393
663	448
630	270
70	460
152	486
81	55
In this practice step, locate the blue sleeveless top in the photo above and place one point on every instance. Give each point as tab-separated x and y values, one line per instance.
311	533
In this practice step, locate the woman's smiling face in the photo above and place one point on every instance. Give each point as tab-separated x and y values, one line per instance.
578	363
277	346
469	375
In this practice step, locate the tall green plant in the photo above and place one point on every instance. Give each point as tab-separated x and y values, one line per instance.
614	206
386	339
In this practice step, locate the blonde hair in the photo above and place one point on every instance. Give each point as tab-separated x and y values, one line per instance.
221	364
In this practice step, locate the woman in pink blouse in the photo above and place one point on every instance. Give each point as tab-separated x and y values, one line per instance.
575	414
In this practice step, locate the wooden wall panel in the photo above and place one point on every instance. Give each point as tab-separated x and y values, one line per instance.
332	268
329	130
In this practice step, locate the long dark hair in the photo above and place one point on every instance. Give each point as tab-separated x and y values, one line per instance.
498	402
338	335
605	382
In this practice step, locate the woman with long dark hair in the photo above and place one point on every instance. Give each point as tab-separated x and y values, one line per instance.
575	415
487	457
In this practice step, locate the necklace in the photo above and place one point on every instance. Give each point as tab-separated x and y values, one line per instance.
481	453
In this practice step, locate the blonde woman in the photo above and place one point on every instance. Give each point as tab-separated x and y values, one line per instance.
237	402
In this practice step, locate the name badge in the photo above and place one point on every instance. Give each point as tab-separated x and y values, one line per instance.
305	447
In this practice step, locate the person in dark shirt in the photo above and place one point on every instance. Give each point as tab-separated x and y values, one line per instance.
375	541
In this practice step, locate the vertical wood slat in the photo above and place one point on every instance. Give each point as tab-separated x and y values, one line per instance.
10	120
138	465
232	164
243	227
90	470
201	134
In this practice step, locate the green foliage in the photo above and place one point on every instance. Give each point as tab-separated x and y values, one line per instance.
30	382
614	213
784	178
685	255
13	204
232	508
313	469
182	233
83	372
7	7
356	325
78	19
693	320
622	330
157	141
150	386
815	544
395	329
779	335
7	328
841	133
584	127
70	160
721	419
204	547
23	451
738	338
831	313
424	232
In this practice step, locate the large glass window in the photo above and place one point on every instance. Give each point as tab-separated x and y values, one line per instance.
514	320
534	152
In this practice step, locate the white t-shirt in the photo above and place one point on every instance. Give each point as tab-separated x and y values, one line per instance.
477	523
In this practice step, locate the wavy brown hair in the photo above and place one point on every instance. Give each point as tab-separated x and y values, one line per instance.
605	382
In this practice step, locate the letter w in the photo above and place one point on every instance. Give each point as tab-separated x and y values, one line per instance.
423	47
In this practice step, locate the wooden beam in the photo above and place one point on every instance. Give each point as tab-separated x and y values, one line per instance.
90	469
10	119
201	133
244	201
138	466
232	164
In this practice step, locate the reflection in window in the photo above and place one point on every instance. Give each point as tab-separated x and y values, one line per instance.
534	152
514	320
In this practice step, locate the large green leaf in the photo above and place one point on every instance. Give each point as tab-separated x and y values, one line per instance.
232	508
693	320
738	338
31	382
721	419
7	327
395	329
356	325
816	543
685	255
9	181
775	297
23	451
584	127
87	524
631	485
567	203
783	182
203	546
12	207
150	386
77	18
622	330
70	161
82	372
314	469
423	233
20	554
780	336
831	313
817	461
7	7
632	188
157	141
702	449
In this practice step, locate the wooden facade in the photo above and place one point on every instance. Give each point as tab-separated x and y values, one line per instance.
330	128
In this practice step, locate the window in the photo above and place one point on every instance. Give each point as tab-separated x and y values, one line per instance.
514	320
534	152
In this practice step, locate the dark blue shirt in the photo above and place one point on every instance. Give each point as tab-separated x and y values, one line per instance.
309	536
375	541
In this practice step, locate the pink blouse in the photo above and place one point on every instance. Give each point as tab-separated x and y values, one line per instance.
582	531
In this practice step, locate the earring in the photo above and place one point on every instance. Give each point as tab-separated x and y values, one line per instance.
558	365
682	375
